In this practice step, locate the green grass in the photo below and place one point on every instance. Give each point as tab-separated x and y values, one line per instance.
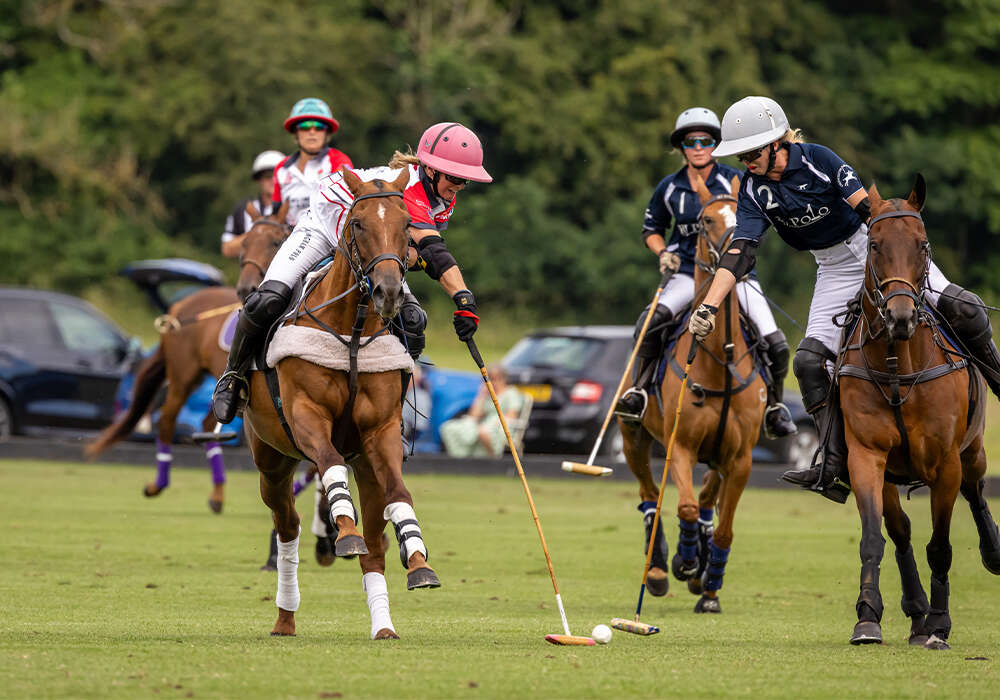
106	594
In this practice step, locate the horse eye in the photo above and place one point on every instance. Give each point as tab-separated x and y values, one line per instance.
873	246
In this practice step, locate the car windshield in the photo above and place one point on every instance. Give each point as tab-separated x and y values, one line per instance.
556	351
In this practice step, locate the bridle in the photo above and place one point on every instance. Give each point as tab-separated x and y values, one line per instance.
876	296
353	256
714	251
244	261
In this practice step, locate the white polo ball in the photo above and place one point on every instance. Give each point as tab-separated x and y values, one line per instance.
601	634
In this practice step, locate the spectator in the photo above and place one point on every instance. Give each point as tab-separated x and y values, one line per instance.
239	222
479	433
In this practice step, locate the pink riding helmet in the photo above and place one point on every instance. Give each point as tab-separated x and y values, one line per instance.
453	149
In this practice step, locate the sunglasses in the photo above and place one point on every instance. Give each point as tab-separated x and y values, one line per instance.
699	142
750	156
455	180
310	125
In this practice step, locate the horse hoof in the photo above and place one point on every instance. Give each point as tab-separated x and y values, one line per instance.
867	633
275	633
708	605
150	490
657	582
918	640
215	506
694	585
991	561
683	570
324	551
385	633
350	545
936	643
424	577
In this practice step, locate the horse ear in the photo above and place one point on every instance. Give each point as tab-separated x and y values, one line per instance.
735	185
918	194
252	211
400	183
699	186
282	212
352	181
874	198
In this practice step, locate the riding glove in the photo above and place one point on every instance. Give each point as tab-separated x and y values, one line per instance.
669	261
702	321
465	319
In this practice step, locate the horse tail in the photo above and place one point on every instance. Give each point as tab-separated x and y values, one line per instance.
148	380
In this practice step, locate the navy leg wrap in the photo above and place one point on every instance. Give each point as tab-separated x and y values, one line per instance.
717	558
938	620
687	543
659	560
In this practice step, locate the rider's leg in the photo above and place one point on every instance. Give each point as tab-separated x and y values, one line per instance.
964	312
674	300
778	421
410	324
830	476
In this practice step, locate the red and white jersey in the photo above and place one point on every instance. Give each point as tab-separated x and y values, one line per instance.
328	207
297	186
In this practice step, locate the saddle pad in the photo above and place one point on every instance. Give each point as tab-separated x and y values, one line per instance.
383	354
228	330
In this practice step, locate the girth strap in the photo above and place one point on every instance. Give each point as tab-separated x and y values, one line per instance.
879	377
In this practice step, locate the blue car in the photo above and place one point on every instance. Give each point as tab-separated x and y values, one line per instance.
451	393
165	282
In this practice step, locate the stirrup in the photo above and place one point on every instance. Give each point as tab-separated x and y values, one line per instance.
835	489
782	409
626	412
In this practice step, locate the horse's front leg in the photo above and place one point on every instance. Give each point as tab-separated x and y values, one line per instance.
213	453
914	602
943	495
384	449
867	476
636	442
373	563
685	560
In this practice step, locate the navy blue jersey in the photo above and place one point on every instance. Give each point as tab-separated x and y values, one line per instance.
675	202
807	206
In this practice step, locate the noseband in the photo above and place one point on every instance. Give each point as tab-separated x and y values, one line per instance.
915	291
244	261
714	251
353	256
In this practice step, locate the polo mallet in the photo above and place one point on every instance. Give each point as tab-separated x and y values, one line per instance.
564	639
634	626
589	467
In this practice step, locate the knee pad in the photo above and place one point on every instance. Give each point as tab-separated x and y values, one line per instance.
266	303
964	311
652	342
809	367
410	326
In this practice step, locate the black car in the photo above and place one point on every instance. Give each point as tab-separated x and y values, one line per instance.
572	373
60	362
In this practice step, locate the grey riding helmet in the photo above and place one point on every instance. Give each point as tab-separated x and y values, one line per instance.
749	124
695	119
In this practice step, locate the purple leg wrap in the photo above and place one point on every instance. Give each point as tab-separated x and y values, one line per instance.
300	483
705	515
687	543
213	451
163	461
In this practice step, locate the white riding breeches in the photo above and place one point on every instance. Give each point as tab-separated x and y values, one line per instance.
302	250
679	293
840	274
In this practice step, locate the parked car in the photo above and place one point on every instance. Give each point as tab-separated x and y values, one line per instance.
572	374
166	282
60	362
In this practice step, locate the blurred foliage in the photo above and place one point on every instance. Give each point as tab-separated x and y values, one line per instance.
129	126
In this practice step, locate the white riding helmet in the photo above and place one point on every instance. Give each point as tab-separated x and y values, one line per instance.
268	160
751	123
695	119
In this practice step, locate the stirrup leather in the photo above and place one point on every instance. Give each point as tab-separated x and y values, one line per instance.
623	411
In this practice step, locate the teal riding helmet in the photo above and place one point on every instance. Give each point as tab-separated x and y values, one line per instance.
310	108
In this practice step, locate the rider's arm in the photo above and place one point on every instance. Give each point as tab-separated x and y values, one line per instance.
436	261
657	219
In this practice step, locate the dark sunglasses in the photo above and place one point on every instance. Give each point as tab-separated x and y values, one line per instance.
750	156
699	142
455	180
310	125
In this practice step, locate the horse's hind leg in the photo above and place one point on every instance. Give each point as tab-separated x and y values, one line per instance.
973	470
213	453
636	441
729	489
181	381
914	601
943	493
373	563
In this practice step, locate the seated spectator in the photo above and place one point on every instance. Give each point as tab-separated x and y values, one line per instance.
479	433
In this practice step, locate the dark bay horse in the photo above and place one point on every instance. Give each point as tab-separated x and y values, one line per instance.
333	412
719	424
905	393
188	349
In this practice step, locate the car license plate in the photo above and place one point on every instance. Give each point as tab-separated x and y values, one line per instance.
541	393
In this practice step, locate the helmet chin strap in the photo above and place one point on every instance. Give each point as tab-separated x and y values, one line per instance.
772	155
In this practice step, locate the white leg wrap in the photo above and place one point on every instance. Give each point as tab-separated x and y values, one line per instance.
407	530
378	601
318	527
288	579
335	485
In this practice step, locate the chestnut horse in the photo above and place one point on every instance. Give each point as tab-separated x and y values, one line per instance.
189	348
331	412
719	424
905	393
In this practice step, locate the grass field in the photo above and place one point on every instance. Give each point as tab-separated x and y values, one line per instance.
106	594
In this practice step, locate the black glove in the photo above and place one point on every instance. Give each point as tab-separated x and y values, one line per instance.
466	321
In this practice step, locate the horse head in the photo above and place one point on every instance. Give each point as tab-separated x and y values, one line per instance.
375	239
260	244
898	259
718	221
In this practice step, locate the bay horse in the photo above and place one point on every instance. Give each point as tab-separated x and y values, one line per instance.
719	424
188	349
905	391
327	413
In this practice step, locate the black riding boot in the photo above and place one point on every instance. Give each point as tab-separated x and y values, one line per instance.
829	476
964	312
260	310
632	404
778	421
